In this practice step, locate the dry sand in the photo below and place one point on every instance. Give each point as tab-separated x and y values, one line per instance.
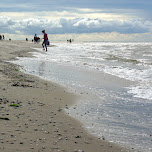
32	117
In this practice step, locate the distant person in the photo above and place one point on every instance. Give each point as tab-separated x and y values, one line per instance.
35	37
71	40
0	37
3	37
26	39
45	42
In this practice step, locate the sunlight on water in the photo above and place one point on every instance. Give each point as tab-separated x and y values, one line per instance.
131	61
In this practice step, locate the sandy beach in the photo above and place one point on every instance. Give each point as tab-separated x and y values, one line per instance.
32	117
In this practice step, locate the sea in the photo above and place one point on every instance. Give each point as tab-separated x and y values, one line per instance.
115	80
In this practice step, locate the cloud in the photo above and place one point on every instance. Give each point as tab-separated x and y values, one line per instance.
34	5
71	13
131	7
76	25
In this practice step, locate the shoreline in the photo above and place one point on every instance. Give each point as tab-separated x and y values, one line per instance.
35	111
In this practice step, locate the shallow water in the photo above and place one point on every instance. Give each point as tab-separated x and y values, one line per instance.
115	112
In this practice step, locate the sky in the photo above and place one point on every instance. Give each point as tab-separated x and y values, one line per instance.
103	20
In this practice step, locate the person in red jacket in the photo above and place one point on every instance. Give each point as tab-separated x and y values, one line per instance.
45	42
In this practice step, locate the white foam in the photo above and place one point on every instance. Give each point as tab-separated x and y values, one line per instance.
125	60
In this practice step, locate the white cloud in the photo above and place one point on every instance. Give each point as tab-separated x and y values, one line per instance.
89	23
108	9
76	25
71	13
4	21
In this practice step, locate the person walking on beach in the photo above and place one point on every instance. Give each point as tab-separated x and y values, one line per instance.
45	42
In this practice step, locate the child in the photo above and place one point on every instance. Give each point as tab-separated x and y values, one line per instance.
45	42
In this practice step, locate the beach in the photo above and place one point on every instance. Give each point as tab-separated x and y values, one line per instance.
32	115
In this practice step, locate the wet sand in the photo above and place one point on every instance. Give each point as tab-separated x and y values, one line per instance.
32	117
